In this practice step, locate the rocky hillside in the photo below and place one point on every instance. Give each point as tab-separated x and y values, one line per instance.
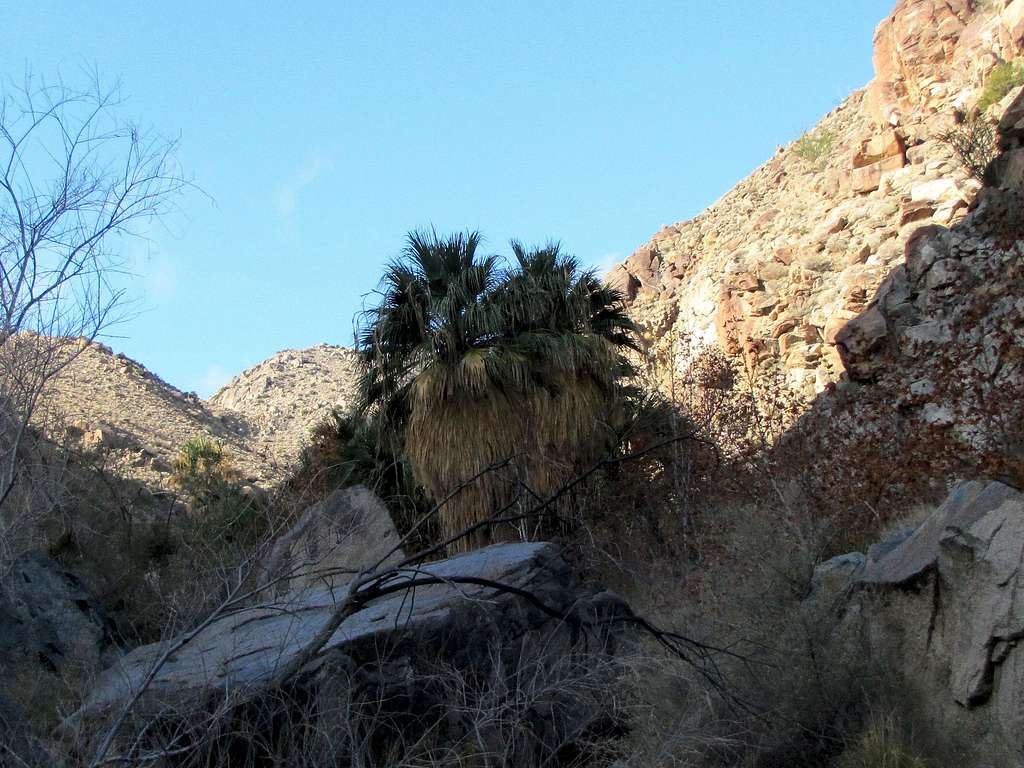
113	405
286	395
774	270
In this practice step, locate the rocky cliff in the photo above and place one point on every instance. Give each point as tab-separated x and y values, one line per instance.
773	271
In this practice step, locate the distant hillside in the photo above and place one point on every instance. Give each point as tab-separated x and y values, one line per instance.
112	404
285	396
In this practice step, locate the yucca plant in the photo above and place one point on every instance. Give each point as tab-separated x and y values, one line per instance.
202	466
477	364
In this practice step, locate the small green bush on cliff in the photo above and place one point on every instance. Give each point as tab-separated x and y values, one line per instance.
1000	81
815	147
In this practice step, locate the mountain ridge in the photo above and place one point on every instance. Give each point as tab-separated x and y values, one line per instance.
108	403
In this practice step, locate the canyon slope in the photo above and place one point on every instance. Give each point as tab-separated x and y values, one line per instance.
774	271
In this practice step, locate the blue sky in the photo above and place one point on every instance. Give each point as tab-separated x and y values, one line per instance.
323	131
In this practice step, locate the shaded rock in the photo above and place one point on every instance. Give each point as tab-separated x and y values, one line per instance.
450	622
48	618
333	539
836	575
918	553
882	548
943	604
1007	170
1011	124
858	338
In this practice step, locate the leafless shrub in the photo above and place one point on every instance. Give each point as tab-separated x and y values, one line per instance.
973	141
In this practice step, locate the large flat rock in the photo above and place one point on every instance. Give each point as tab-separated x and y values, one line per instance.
240	652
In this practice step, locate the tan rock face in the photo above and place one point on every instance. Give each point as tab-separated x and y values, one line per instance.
868	178
928	51
913	54
878	147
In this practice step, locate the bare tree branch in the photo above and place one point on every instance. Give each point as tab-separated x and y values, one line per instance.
76	181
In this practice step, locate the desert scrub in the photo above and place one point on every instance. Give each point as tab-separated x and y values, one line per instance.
149	558
1000	81
974	143
815	147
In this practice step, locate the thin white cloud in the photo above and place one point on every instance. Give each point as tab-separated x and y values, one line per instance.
161	278
606	262
212	379
286	197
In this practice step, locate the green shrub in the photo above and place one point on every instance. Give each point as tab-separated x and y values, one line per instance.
200	461
346	450
815	148
1000	81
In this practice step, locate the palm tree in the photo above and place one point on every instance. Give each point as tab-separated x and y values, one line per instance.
476	365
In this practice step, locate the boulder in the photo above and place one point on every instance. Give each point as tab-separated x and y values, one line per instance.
622	281
461	622
943	604
349	530
858	339
835	324
936	189
888	143
869	177
48	618
918	552
916	211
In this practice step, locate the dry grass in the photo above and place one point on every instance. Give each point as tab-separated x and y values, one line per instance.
882	744
546	709
542	435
